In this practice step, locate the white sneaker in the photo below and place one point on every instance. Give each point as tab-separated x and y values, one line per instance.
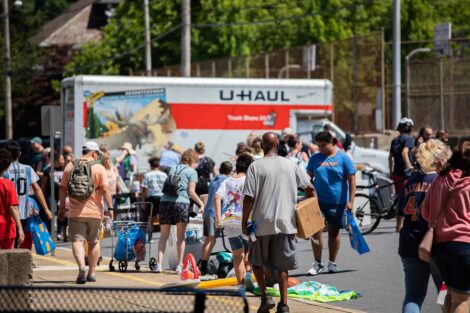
316	269
178	269
158	268
332	267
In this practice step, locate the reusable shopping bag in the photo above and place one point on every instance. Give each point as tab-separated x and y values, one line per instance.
41	237
358	242
132	239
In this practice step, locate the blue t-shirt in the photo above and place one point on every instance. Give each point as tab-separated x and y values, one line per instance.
396	148
209	210
414	225
169	158
187	174
331	176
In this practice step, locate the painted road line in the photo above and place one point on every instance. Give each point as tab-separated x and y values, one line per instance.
115	274
51	268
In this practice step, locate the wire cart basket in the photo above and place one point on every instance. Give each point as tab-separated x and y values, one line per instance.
133	229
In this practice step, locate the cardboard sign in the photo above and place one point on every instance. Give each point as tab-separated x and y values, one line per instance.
309	218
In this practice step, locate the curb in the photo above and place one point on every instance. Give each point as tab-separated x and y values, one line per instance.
157	284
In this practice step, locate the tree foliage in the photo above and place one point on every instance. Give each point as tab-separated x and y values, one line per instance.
240	27
26	58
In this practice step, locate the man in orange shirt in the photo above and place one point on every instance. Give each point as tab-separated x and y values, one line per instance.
85	214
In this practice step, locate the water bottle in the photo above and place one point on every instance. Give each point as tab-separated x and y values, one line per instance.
344	220
372	143
251	229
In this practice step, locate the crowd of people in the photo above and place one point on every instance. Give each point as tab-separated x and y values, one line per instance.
433	184
252	203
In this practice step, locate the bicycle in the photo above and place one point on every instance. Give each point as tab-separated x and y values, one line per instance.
371	208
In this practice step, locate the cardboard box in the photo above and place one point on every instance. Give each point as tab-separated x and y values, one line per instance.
309	218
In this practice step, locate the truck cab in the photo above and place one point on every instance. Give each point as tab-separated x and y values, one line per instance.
377	159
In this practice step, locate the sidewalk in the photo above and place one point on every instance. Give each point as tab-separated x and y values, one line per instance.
61	270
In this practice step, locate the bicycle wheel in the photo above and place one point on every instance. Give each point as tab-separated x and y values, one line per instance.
367	213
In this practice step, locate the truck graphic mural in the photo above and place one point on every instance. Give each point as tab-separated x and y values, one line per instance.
150	111
139	116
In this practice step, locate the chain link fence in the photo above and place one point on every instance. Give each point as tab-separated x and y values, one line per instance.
435	88
439	93
353	65
114	300
360	69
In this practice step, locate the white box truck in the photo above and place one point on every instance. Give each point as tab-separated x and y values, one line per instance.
150	111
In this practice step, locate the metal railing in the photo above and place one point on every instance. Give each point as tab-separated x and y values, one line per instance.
116	300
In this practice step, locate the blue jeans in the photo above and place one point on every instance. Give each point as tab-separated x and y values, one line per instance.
416	283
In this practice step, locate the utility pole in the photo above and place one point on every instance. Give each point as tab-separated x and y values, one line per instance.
186	40
148	43
396	106
7	72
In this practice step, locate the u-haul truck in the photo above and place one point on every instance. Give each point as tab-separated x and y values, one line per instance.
150	111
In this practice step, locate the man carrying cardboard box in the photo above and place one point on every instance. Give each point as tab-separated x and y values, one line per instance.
271	193
335	183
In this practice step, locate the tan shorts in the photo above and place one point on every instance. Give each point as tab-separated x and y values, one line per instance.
82	228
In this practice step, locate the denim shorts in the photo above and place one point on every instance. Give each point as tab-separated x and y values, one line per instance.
453	261
237	243
333	213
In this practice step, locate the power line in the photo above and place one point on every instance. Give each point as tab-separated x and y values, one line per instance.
216	25
125	53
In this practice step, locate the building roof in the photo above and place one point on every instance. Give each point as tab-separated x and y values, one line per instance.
81	23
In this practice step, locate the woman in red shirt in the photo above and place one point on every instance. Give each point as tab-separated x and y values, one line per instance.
9	217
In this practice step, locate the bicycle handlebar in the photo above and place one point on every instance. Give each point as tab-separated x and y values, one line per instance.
366	186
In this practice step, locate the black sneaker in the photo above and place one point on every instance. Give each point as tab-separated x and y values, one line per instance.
91	278
81	279
282	308
266	304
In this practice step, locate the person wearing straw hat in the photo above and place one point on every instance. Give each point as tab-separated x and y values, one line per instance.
127	161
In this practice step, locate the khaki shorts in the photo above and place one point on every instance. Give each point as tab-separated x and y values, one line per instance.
82	228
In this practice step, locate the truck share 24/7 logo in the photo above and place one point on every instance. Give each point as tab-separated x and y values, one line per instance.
254	96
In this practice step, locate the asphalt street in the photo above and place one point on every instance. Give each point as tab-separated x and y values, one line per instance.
377	276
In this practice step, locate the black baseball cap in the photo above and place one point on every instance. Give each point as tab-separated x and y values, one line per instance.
13	145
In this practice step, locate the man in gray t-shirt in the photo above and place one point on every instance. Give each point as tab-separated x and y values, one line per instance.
271	195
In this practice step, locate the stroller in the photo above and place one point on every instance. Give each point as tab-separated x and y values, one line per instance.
133	228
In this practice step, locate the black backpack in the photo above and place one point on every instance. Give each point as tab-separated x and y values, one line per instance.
171	187
204	169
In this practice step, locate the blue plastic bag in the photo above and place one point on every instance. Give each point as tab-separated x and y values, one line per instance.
128	237
358	242
41	237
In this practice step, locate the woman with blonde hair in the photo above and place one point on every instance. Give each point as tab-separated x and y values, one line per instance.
431	156
174	209
447	207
